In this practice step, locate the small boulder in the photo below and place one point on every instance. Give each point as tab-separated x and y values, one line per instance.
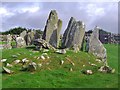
32	66
6	70
3	60
105	69
61	51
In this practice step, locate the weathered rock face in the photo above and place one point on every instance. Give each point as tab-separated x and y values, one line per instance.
52	29
74	34
23	34
20	42
8	39
96	47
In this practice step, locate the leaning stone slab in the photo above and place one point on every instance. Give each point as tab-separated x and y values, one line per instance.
74	34
96	47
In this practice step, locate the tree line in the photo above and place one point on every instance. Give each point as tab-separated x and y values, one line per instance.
18	30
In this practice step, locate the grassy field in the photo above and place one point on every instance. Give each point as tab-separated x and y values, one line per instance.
54	75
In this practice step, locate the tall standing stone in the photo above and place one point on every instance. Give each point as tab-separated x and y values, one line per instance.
74	34
96	47
52	29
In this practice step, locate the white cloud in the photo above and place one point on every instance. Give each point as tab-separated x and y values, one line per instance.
94	10
30	9
5	12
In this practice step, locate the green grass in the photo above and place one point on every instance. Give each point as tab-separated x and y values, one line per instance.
56	75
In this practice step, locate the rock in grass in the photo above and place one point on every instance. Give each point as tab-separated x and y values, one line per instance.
87	72
105	69
17	61
32	66
40	65
61	62
14	56
9	65
45	50
42	57
62	51
3	60
6	70
25	60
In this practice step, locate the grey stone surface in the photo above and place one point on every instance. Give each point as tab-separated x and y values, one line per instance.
74	34
20	42
52	29
9	40
96	47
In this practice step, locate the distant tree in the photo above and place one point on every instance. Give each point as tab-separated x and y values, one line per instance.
18	30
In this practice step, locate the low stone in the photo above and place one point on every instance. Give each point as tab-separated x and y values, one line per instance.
62	51
40	65
14	56
61	62
89	72
9	65
83	65
93	64
105	69
6	70
32	66
42	57
17	61
71	69
45	50
25	60
3	60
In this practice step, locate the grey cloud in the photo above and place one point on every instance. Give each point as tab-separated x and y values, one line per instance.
65	11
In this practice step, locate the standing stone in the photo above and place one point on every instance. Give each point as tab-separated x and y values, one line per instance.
20	42
74	34
96	47
9	39
23	34
52	29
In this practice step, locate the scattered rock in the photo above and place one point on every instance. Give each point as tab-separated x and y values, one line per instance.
42	57
14	56
93	64
17	61
9	65
106	69
61	51
71	69
61	62
6	70
98	60
40	65
3	60
32	66
25	60
88	72
83	65
46	50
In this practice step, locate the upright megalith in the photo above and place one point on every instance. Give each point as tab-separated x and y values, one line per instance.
52	29
74	34
96	47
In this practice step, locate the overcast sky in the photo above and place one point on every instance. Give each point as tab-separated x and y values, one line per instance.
35	14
